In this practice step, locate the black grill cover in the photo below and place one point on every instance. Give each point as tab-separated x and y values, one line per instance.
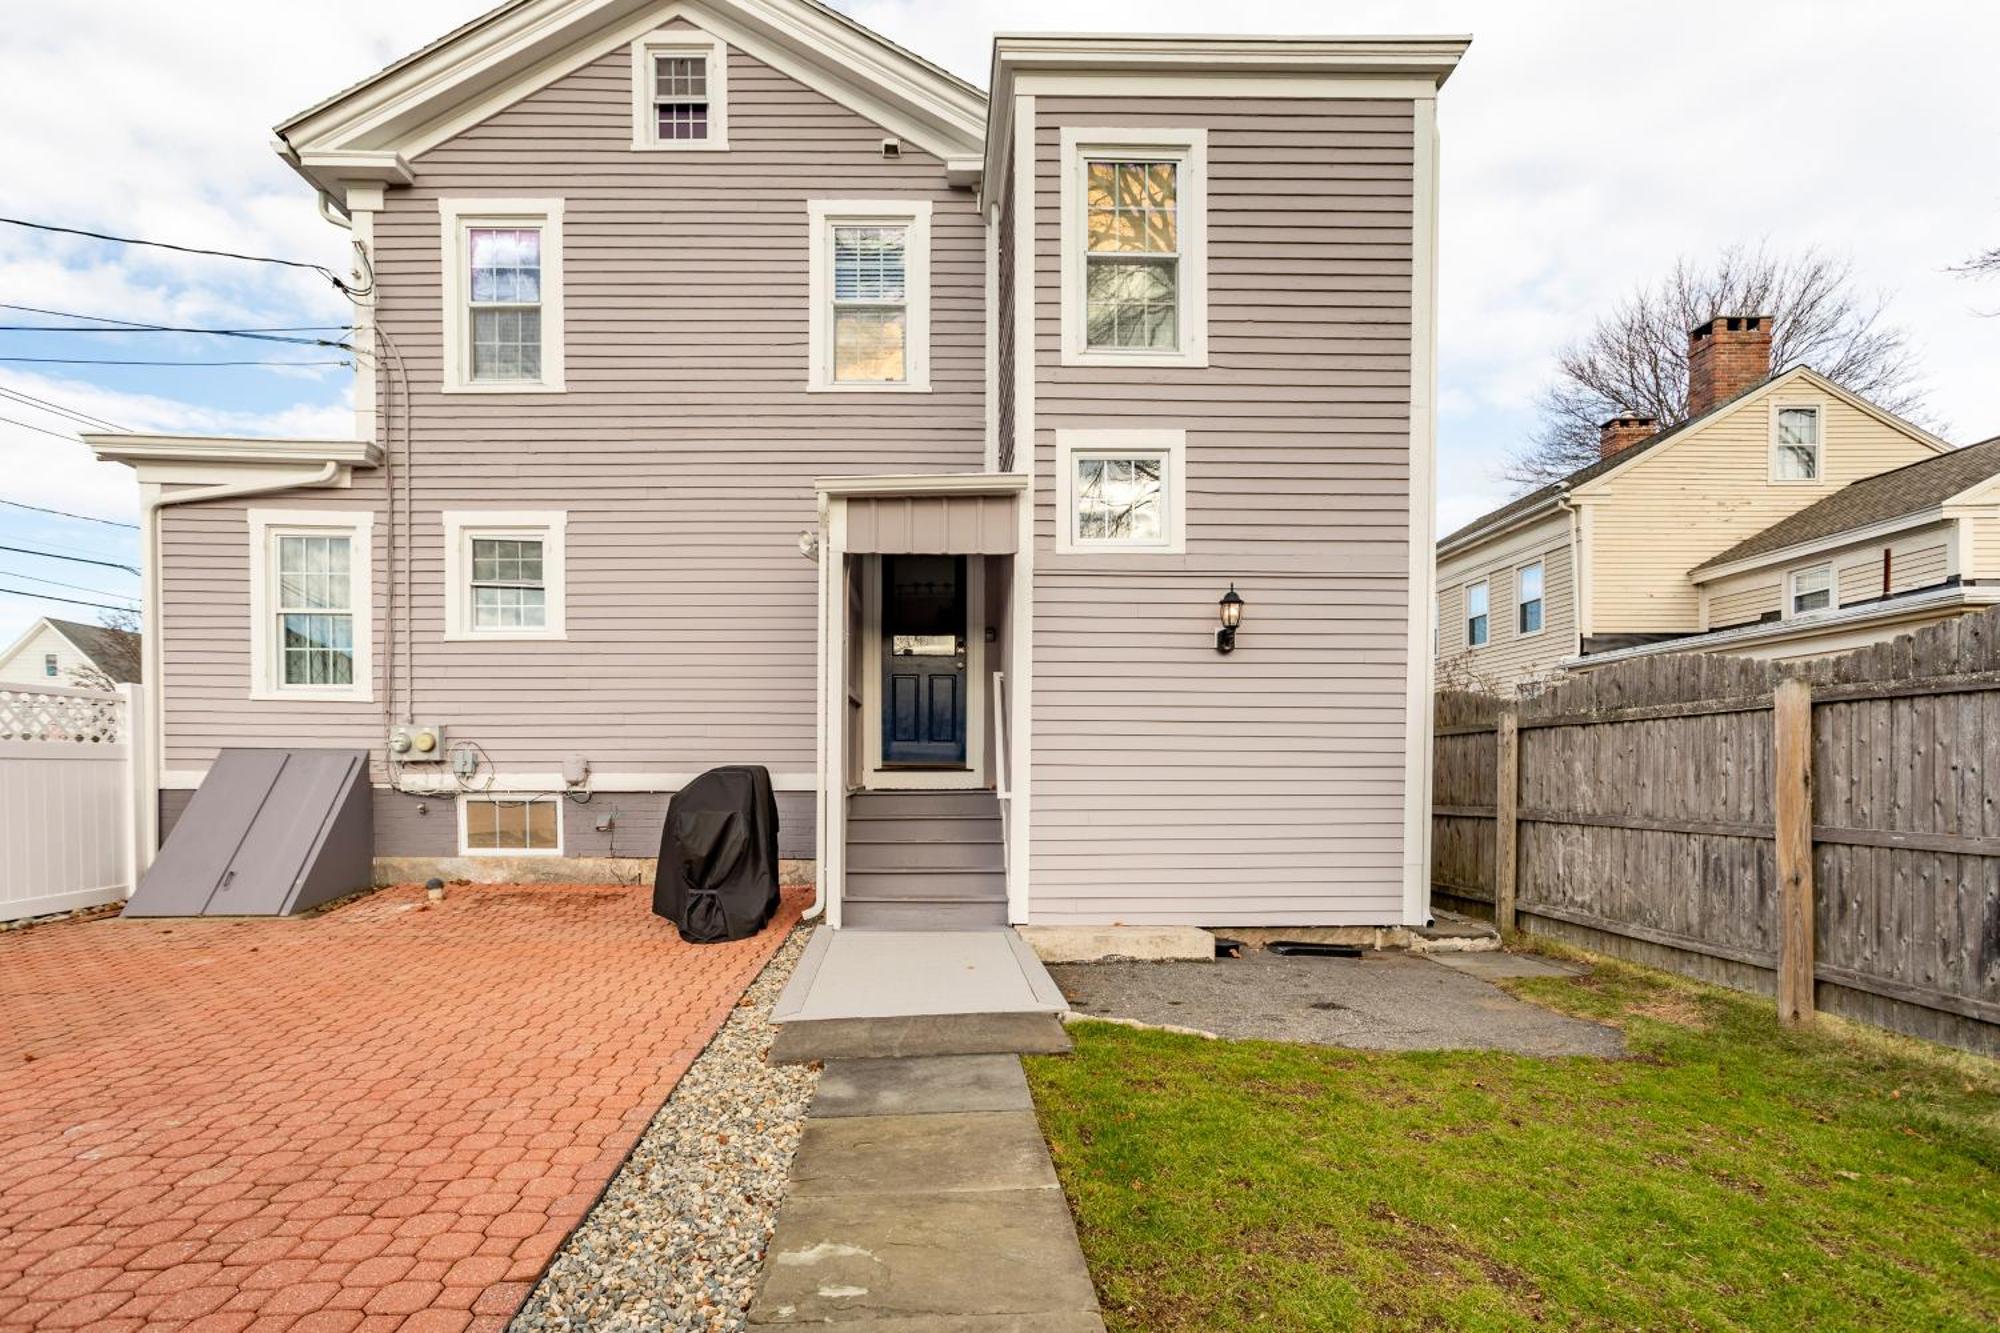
718	873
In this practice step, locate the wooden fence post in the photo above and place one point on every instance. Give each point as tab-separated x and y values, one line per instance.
1506	816
1792	763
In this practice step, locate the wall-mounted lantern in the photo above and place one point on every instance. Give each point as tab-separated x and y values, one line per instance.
1231	611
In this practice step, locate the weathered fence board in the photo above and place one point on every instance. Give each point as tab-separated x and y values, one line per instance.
1649	823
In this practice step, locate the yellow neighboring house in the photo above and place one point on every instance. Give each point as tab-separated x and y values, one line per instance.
1786	517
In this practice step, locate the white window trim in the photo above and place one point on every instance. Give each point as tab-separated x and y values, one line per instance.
1189	149
822	216
266	526
455	218
1519	570
679	42
1171	445
1465	614
550	526
1792	589
495	795
1818	409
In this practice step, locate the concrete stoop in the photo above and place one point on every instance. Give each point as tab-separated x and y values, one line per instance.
1450	933
923	1197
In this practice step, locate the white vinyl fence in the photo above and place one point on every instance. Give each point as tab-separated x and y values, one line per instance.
70	818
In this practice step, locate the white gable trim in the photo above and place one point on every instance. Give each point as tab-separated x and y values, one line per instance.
496	61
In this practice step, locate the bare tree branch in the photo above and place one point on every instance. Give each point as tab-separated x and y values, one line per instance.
1635	358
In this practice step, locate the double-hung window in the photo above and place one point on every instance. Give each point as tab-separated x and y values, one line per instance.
1477	624
1528	598
50	665
680	90
1812	589
504	574
503	314
1795	445
1134	256
1121	490
309	603
870	292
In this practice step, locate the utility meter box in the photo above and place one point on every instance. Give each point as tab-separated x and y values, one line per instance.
416	743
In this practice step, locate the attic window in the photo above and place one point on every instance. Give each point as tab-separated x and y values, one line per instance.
680	91
1795	444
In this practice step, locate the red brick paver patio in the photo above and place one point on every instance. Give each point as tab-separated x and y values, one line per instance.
386	1117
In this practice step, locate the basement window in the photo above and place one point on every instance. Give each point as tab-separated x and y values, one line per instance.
507	825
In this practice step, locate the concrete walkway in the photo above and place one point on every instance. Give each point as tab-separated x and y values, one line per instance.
923	1198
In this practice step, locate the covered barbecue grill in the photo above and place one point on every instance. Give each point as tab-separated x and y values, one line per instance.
718	873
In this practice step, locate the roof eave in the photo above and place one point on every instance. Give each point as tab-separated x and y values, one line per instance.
135	449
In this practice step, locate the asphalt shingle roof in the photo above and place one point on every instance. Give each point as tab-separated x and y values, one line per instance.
1906	490
114	651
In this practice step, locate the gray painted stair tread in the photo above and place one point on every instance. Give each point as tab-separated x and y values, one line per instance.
926	1259
951	1153
922	915
932	1085
802	1041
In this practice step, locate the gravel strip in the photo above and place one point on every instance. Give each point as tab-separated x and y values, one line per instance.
677	1241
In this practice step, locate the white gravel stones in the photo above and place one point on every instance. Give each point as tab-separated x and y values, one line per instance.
677	1241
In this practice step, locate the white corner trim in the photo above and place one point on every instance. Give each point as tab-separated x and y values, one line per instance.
455	218
265	527
677	42
822	216
1188	148
549	526
1169	445
495	793
1420	666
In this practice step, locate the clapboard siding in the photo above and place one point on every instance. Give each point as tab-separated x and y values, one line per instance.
1172	783
1744	598
684	450
1509	656
1921	558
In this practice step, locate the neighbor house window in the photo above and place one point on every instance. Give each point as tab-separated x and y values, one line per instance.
1796	456
870	292
502	825
1134	247
504	574
1812	589
503	295
1121	490
309	595
1528	598
1476	622
680	91
50	667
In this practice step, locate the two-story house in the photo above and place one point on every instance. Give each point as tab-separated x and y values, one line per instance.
1624	556
1038	481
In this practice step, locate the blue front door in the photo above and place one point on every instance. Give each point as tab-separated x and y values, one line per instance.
923	661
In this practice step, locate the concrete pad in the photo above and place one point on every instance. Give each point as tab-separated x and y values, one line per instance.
970	1323
933	1154
802	1042
916	973
1393	1002
938	1085
1090	944
1497	963
929	1261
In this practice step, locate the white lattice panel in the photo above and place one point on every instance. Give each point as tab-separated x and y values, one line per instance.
49	713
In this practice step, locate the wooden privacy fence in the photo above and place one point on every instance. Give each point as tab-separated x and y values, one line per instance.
1820	831
71	827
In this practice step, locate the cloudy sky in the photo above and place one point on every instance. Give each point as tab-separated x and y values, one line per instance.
1587	145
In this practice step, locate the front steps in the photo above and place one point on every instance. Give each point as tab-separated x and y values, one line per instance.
924	860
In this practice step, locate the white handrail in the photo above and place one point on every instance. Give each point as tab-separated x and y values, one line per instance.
1001	758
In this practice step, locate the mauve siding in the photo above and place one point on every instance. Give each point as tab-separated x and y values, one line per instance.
683	452
1173	784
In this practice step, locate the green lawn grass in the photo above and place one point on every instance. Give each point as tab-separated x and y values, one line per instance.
1727	1175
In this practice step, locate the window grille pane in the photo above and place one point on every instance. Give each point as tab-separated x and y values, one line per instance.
682	121
1798	462
680	78
506	344
870	263
317	649
1120	500
868	345
313	573
506	264
1131	207
1475	631
1131	303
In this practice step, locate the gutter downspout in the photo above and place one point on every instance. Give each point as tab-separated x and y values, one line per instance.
151	646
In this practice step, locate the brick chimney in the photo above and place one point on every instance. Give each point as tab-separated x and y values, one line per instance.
1623	431
1726	355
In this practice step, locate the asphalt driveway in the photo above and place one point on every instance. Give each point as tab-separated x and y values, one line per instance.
385	1117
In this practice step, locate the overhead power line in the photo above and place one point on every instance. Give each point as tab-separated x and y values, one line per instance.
73	601
105	361
143	325
29	425
83	418
58	583
64	513
73	559
320	269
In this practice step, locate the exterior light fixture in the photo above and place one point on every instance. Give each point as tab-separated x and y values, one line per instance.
1231	611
